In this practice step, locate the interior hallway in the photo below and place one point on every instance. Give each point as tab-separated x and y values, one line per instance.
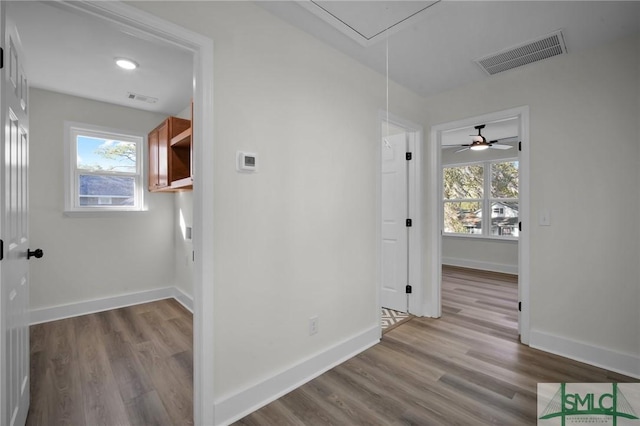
465	368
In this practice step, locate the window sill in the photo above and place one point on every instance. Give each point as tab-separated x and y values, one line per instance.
482	237
102	213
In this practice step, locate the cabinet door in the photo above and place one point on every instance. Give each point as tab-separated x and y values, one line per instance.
163	155
153	160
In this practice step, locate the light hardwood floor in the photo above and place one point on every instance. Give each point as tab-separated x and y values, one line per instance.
129	366
466	368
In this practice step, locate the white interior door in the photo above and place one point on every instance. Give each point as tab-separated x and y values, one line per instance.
394	230
14	279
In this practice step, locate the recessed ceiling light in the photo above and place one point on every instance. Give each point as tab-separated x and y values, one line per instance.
126	64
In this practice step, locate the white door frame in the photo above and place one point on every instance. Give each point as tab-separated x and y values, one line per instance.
147	25
435	226
415	134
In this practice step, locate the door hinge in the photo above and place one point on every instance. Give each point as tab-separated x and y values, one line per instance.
409	223
1	249
1	58
520	146
408	289
519	306
520	226
409	156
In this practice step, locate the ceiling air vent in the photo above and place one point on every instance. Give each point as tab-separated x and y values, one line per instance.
141	98
533	51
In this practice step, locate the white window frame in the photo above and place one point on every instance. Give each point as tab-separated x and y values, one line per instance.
72	199
486	201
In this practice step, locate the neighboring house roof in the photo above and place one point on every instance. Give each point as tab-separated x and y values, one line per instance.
105	186
513	205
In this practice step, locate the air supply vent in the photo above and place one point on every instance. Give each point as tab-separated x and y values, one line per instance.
142	98
533	51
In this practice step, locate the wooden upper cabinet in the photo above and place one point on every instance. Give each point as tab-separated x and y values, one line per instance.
154	156
170	155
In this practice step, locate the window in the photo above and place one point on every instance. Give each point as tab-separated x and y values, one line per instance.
471	189
104	170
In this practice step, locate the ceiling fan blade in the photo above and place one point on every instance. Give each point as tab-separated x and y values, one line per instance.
498	146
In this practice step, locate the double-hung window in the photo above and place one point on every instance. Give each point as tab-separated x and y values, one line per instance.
104	170
481	199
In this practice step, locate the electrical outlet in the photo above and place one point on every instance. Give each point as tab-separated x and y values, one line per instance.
545	217
313	325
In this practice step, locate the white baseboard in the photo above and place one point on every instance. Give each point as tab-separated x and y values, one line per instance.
231	408
183	298
623	363
114	302
483	266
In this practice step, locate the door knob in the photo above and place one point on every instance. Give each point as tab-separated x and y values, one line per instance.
37	253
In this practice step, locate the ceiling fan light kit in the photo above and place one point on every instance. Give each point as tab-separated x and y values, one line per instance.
479	146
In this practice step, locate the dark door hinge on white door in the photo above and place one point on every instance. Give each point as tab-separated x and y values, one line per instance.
519	306
409	156
520	226
1	249
519	146
1	58
409	223
408	289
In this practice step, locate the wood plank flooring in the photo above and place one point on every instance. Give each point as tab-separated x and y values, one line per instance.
129	366
466	368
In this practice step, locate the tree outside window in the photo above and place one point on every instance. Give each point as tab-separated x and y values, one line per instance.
471	189
106	170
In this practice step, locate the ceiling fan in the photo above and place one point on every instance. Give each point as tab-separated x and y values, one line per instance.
479	142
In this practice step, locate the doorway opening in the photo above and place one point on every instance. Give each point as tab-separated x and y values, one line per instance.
479	203
399	215
133	21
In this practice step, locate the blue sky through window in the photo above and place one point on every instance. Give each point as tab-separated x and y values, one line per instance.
89	157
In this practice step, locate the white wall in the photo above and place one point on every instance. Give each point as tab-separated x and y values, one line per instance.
183	214
483	254
298	238
90	258
584	155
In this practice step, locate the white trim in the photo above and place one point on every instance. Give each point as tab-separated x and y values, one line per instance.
486	238
525	235
416	142
433	307
138	22
183	298
85	307
231	408
623	363
483	266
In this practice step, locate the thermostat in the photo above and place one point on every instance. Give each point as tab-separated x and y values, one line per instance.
247	161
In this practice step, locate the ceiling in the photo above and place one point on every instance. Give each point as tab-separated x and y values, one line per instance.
69	52
432	45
